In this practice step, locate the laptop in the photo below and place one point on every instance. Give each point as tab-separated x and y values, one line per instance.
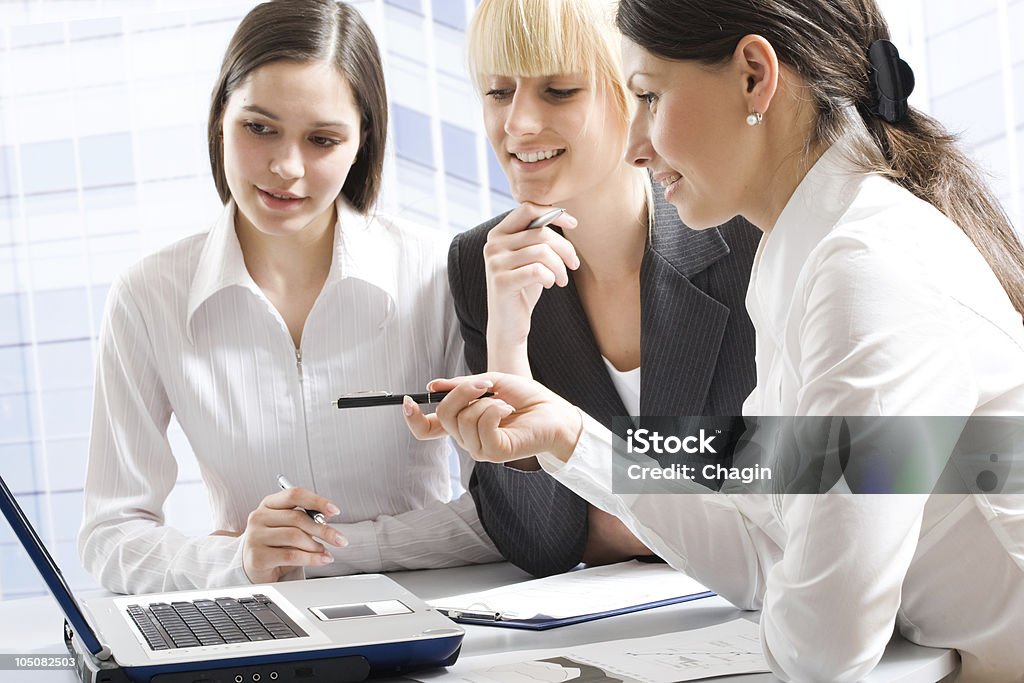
333	629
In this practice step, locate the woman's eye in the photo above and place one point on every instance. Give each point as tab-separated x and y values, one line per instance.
499	93
562	93
648	98
321	141
257	128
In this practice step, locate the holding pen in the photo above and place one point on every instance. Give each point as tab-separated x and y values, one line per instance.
314	515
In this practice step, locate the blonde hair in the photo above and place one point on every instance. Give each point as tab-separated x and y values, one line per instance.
534	38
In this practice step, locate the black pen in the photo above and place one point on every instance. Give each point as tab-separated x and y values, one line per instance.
314	515
369	399
541	221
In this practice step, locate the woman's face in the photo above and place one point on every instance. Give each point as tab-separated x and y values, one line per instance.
291	134
557	138
690	130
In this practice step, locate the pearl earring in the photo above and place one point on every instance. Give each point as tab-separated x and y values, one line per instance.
755	118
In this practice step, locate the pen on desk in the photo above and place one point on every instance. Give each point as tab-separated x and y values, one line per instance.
368	399
469	614
541	221
314	515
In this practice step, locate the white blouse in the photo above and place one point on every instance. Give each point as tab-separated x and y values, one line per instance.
627	384
187	331
866	301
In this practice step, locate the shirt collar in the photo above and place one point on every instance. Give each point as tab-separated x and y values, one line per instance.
817	205
362	250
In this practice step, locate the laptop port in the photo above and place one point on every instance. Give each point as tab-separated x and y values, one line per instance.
238	678
273	675
256	677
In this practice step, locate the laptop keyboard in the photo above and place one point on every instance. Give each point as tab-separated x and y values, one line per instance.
167	626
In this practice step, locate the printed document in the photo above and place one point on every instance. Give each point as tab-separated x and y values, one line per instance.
728	649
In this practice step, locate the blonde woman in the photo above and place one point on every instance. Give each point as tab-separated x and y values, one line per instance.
619	288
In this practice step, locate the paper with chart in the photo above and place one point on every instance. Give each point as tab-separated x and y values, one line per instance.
732	648
588	591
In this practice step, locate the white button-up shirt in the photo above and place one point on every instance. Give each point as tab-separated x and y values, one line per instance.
187	331
866	301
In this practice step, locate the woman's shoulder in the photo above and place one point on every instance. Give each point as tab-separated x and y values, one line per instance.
168	271
889	222
409	239
892	241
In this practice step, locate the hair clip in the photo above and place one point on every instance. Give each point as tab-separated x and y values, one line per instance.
892	81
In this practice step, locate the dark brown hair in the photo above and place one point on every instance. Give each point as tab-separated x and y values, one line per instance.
307	31
826	43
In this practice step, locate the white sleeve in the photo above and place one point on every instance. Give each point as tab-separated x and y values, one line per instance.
123	541
698	533
876	337
832	600
438	535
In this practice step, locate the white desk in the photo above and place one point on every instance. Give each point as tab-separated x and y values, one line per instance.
34	625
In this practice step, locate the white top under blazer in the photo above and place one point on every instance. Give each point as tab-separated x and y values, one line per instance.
866	301
187	331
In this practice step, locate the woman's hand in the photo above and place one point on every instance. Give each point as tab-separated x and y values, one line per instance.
522	419
278	537
520	263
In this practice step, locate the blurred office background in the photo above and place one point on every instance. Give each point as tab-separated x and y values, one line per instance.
103	159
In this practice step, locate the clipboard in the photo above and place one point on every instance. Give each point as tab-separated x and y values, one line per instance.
574	597
543	622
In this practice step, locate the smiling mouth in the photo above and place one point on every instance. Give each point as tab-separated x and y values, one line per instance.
534	157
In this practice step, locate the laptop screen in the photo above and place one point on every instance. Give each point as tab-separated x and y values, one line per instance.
47	568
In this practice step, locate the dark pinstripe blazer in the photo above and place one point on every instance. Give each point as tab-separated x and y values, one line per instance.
696	354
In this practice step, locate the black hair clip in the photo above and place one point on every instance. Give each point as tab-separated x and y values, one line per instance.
892	81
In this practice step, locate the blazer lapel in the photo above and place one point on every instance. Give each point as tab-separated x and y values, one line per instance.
564	353
681	327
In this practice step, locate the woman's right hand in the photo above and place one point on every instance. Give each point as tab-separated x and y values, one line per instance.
520	419
278	537
520	263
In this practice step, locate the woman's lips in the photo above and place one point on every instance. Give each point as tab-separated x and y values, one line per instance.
279	203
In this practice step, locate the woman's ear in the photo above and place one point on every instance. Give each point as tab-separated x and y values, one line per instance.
758	65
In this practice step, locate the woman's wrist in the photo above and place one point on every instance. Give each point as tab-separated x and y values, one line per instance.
509	358
568	434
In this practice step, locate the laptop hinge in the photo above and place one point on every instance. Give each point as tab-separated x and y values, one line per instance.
93	668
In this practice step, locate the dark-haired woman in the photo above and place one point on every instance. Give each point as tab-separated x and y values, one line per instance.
887	283
245	333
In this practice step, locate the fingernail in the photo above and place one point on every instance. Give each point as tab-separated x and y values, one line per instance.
482	384
572	220
507	410
342	541
408	405
430	385
326	558
333	509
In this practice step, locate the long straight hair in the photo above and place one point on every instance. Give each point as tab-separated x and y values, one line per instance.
826	42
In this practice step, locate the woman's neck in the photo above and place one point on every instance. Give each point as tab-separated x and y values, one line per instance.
613	225
288	263
785	156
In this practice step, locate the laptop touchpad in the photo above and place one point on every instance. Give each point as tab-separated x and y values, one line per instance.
360	609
